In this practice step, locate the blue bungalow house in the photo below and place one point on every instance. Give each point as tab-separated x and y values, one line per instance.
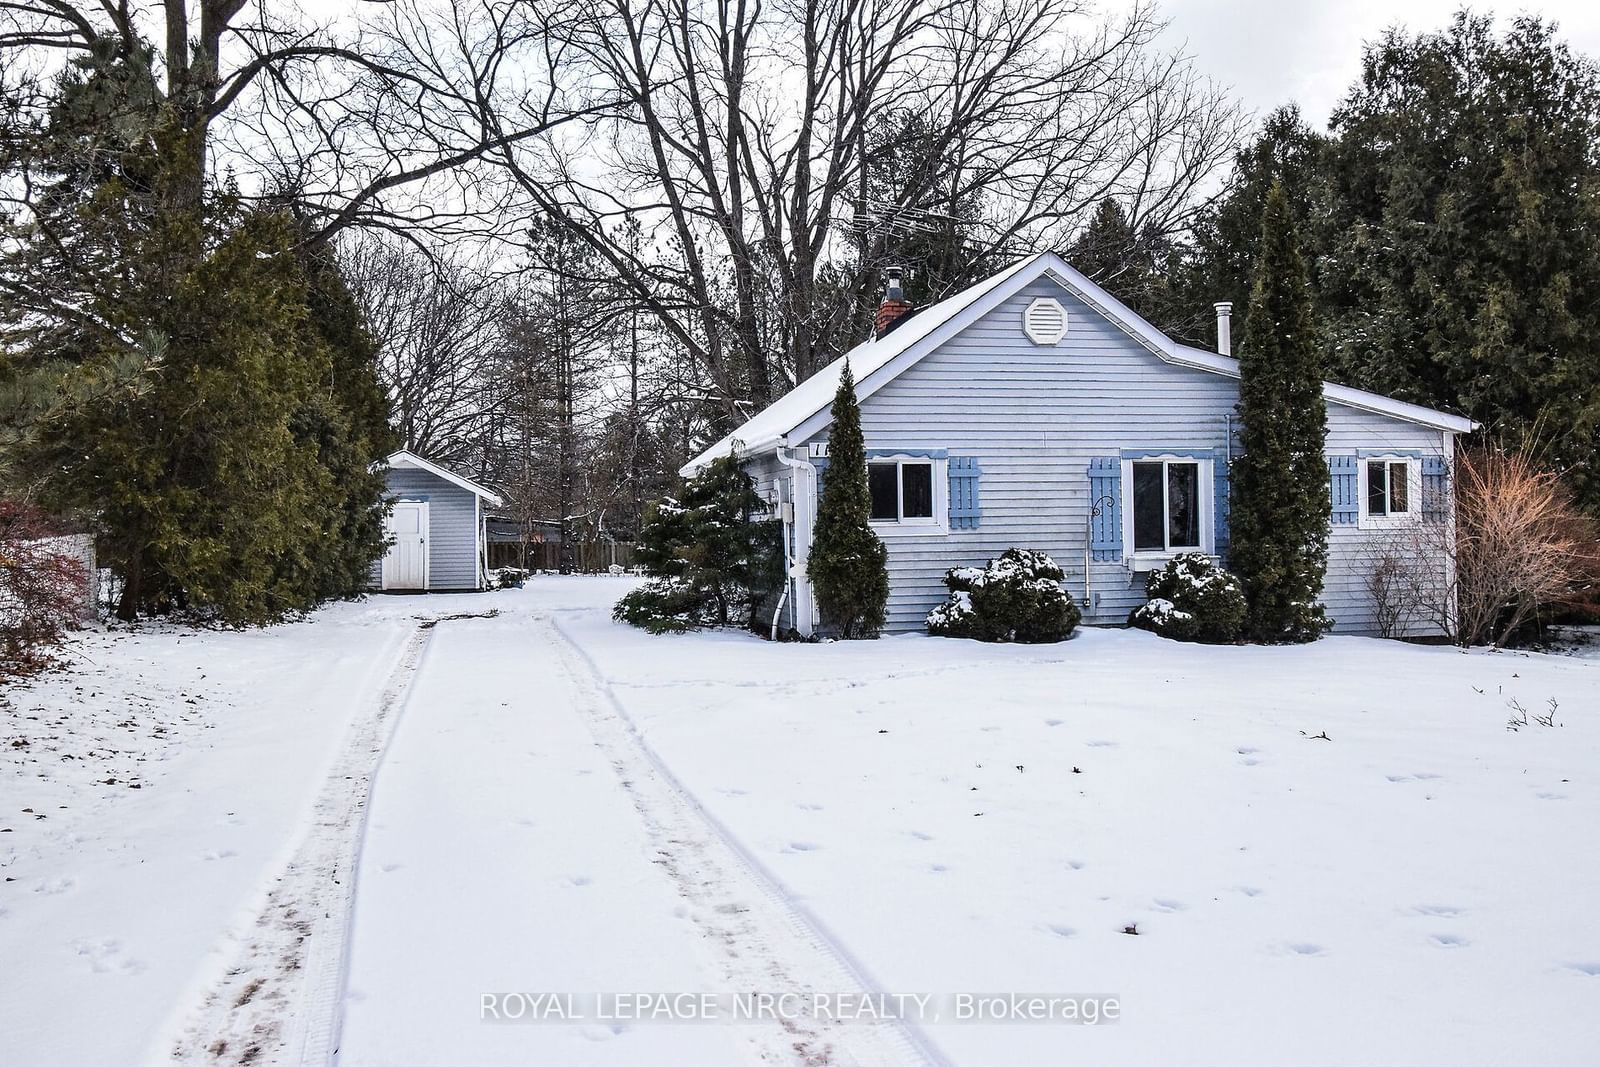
1035	410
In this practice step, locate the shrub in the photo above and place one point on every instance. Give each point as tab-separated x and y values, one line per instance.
1192	599
1017	597
1397	577
509	577
1519	544
42	590
665	606
714	559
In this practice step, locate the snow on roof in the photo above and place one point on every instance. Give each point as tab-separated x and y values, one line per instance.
877	362
765	430
403	458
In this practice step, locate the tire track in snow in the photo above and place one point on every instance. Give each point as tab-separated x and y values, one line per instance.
279	1001
773	943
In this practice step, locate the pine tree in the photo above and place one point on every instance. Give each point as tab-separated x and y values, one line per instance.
1132	266
849	565
715	559
1220	261
1279	515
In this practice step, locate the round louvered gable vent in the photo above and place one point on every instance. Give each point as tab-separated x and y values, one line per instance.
1045	321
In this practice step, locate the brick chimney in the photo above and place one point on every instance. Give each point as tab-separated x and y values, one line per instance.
894	306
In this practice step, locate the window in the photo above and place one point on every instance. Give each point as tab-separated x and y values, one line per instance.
1387	487
906	491
1388	490
1166	504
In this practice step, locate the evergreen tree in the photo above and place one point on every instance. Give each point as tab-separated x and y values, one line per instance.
1221	257
188	383
849	564
347	416
1134	267
1279	516
1450	220
1468	168
715	560
204	494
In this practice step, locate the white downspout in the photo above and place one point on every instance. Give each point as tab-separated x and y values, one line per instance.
788	564
799	470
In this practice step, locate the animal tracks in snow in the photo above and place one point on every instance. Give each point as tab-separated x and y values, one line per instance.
104	956
1304	948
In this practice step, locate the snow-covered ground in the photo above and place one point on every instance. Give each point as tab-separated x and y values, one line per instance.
1331	854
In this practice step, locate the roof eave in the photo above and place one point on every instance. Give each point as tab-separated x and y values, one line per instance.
410	458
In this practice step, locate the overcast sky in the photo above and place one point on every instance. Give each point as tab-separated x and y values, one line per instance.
1309	51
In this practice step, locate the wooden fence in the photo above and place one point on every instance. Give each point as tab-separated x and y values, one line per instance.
596	557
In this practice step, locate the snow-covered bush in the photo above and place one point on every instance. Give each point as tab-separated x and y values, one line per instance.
1017	597
1192	599
665	606
508	577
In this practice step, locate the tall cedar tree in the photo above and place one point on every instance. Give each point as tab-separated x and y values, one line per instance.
1279	517
200	393
347	416
849	565
1450	218
1469	223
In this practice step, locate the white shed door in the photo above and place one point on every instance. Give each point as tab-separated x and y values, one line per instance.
406	565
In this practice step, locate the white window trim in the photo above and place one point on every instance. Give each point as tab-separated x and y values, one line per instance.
939	523
1150	560
1409	517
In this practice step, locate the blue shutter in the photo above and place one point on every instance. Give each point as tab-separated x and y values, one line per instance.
821	463
1435	489
964	510
1344	489
1219	482
1105	497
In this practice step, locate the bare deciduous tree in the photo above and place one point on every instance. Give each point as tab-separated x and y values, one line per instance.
747	141
435	317
368	121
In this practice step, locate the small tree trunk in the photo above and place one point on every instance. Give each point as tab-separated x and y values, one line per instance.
128	601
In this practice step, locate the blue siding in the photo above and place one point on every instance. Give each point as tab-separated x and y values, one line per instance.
452	528
1035	418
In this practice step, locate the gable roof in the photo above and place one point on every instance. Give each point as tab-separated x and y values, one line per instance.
805	409
403	458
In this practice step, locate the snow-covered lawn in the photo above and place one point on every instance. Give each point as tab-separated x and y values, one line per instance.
1331	854
1420	887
